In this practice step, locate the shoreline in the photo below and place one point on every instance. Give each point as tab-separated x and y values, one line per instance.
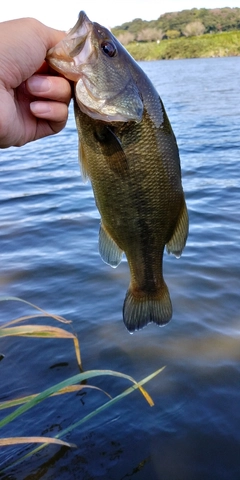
224	44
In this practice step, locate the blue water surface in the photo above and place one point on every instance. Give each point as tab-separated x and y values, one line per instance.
49	256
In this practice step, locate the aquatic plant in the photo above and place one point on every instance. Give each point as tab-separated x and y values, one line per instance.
70	385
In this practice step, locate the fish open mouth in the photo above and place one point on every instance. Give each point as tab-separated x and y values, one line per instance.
89	56
68	55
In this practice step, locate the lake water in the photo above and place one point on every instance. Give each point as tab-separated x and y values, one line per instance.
49	256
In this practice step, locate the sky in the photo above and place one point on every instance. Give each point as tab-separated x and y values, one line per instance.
110	13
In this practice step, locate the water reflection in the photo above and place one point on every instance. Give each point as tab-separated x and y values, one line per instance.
49	255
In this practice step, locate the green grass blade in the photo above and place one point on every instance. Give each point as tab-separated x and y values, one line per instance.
89	416
109	403
70	381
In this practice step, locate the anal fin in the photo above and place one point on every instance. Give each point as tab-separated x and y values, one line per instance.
108	249
176	244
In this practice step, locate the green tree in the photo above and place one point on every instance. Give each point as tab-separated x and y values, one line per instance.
173	33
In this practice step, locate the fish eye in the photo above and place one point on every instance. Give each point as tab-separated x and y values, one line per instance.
108	48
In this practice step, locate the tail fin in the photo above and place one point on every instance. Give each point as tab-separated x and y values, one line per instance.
139	311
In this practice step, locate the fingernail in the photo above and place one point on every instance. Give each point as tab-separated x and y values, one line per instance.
40	108
38	84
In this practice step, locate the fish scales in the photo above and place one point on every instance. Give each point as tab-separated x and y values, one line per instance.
129	151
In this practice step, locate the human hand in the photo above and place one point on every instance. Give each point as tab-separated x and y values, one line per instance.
33	100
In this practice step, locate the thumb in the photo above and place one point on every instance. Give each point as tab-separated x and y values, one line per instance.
26	42
50	36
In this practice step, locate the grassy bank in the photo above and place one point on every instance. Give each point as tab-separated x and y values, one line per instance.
224	44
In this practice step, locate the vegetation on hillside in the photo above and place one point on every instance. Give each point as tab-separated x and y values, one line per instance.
226	44
186	34
186	23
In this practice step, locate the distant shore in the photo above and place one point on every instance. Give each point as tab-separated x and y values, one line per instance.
225	44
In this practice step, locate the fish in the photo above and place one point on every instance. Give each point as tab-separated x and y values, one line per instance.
129	152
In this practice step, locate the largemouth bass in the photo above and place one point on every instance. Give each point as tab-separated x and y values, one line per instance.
129	151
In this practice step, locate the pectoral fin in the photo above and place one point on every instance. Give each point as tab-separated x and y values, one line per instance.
82	156
83	162
112	149
177	243
108	249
